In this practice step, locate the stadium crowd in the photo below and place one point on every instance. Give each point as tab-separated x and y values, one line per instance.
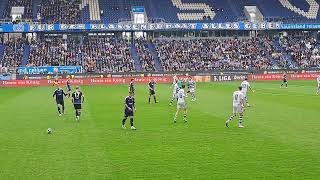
94	54
145	56
103	54
303	51
210	54
60	11
274	52
52	51
13	53
109	54
27	4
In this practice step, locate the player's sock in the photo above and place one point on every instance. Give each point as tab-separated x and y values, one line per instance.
124	121
175	117
155	99
171	101
240	120
131	122
149	98
185	117
59	110
231	118
63	109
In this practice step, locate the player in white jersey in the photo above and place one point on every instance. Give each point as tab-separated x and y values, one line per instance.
238	107
318	81
174	92
245	87
181	105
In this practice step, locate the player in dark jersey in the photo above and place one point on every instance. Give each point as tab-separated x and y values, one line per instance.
284	81
152	91
131	86
129	109
68	86
59	94
77	100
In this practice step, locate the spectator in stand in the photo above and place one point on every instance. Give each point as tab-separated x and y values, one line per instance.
53	51
27	4
210	54
145	56
93	53
102	54
13	53
303	51
60	11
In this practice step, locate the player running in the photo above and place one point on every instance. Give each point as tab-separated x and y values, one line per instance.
68	86
174	93
284	81
245	86
77	100
129	109
238	107
318	81
152	91
131	86
181	105
59	94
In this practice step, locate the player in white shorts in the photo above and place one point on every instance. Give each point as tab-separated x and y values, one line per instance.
174	93
318	81
181	105
238	107
245	86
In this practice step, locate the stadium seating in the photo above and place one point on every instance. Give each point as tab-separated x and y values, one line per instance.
57	11
109	54
95	54
305	52
211	54
145	56
76	11
27	4
13	53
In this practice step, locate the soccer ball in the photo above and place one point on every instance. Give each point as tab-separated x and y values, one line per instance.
49	130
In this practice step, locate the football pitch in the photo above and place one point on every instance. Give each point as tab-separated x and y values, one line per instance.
280	139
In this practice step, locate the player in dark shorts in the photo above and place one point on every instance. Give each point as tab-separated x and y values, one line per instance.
129	109
59	94
131	86
152	91
284	81
68	86
77	100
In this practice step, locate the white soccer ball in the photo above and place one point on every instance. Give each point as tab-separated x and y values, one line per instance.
49	130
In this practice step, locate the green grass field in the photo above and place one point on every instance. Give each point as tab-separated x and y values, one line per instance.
280	140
